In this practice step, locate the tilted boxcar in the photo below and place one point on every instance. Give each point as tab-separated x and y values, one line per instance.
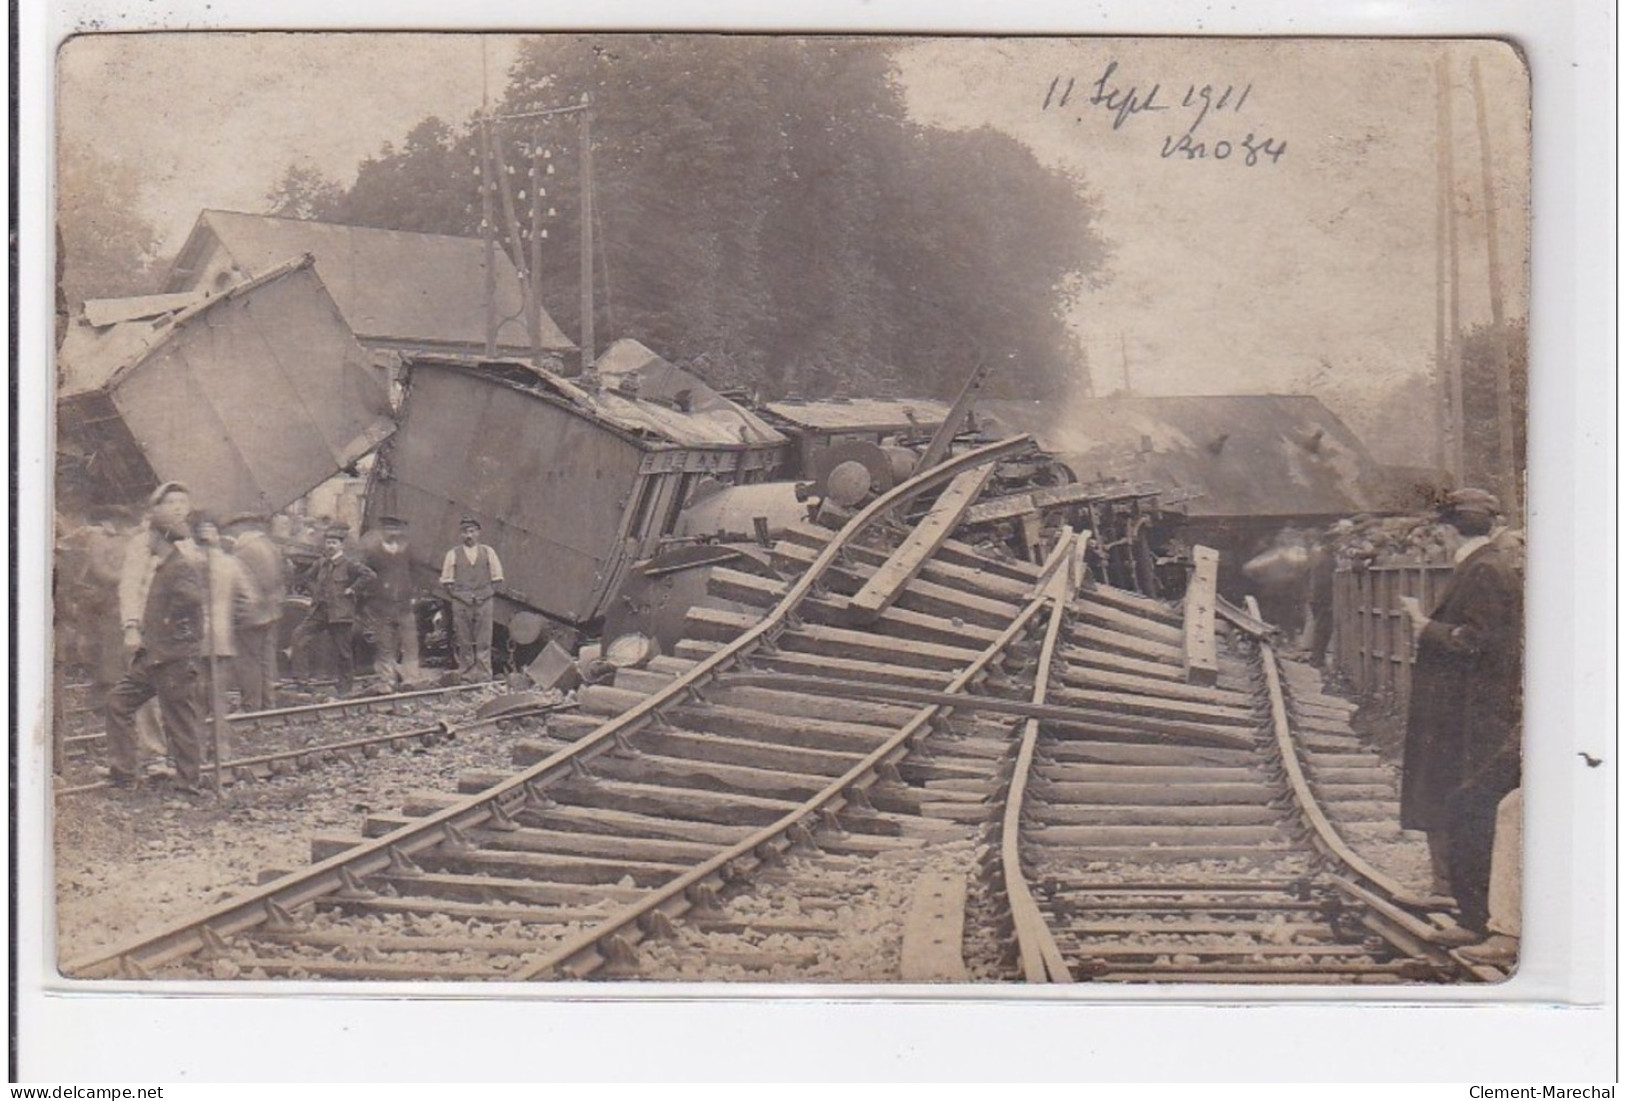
573	481
252	397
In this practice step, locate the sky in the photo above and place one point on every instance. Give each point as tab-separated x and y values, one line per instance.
1312	269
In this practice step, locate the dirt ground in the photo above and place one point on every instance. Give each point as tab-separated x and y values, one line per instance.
127	863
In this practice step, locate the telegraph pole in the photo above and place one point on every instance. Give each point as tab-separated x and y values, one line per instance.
1447	182
587	356
1503	372
487	218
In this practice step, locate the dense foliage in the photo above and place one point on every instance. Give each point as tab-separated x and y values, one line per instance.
767	214
1480	399
107	250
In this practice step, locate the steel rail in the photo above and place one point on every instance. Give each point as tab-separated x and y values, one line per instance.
299	888
254	719
1325	834
1041	957
585	952
441	728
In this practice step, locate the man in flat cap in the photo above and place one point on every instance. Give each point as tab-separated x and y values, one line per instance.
387	615
1463	735
471	576
161	600
339	583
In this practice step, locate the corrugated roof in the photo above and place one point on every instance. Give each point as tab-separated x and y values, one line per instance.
389	285
881	414
1241	455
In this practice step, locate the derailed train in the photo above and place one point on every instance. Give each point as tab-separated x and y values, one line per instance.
610	496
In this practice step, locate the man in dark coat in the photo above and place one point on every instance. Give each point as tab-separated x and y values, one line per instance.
168	657
339	584
1462	740
388	615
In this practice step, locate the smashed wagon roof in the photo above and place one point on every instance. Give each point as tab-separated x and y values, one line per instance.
713	422
1241	455
861	414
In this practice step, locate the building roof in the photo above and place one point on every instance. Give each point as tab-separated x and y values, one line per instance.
419	289
861	414
1234	455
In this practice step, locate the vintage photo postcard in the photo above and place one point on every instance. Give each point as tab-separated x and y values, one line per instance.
960	513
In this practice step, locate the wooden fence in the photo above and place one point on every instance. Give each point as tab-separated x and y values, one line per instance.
1371	633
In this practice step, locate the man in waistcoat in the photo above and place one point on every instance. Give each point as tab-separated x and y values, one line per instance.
1463	749
471	576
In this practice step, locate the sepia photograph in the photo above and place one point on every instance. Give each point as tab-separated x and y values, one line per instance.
819	510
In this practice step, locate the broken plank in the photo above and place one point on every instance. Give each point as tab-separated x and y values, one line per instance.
1200	643
923	542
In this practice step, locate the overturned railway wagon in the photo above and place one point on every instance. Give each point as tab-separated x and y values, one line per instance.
252	397
571	483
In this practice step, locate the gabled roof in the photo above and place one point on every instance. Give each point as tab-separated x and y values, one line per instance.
417	289
1236	455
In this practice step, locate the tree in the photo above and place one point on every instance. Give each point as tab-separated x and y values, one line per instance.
108	248
304	192
767	213
1480	383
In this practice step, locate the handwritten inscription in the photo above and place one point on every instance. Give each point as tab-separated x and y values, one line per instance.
1192	105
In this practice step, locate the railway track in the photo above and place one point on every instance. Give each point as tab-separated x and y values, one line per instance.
687	784
1219	842
893	695
301	737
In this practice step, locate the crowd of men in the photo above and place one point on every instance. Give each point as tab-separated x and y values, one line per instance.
169	616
